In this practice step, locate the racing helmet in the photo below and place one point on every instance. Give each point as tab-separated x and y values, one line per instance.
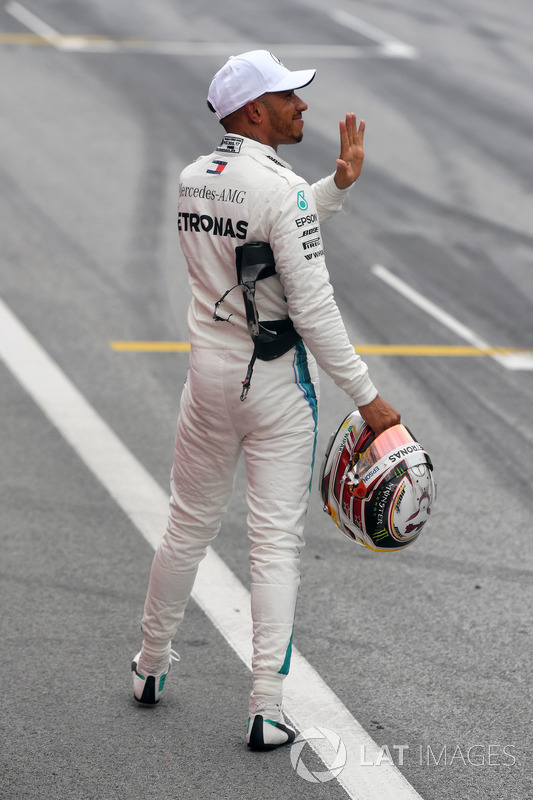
379	490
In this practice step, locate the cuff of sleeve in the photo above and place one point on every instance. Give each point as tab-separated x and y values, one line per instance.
366	392
332	189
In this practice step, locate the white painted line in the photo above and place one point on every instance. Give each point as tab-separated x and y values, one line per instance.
87	44
94	442
308	700
390	45
516	361
429	307
32	22
512	361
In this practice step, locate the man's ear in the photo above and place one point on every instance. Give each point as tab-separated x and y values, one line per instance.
254	112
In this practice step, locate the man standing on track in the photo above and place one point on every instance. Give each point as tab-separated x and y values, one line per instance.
253	387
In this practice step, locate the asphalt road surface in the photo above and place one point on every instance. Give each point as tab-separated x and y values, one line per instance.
102	104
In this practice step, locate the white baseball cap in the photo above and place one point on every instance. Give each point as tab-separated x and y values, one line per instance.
248	76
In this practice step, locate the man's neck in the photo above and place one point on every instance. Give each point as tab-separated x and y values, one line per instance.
254	135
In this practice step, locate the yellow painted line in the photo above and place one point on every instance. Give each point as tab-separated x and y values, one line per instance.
90	43
151	347
22	38
431	350
362	349
72	41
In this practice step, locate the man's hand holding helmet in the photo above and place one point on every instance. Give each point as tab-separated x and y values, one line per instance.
380	415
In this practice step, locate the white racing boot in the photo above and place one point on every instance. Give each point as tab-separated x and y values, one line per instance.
149	679
266	724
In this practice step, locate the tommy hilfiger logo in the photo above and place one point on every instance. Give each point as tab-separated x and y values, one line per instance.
219	167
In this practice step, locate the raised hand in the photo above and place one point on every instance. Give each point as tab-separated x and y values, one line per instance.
350	161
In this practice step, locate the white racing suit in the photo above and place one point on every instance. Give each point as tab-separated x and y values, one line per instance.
244	192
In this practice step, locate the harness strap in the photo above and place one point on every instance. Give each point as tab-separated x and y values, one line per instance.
273	338
255	261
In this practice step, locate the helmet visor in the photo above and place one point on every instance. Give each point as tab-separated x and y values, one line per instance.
395	441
